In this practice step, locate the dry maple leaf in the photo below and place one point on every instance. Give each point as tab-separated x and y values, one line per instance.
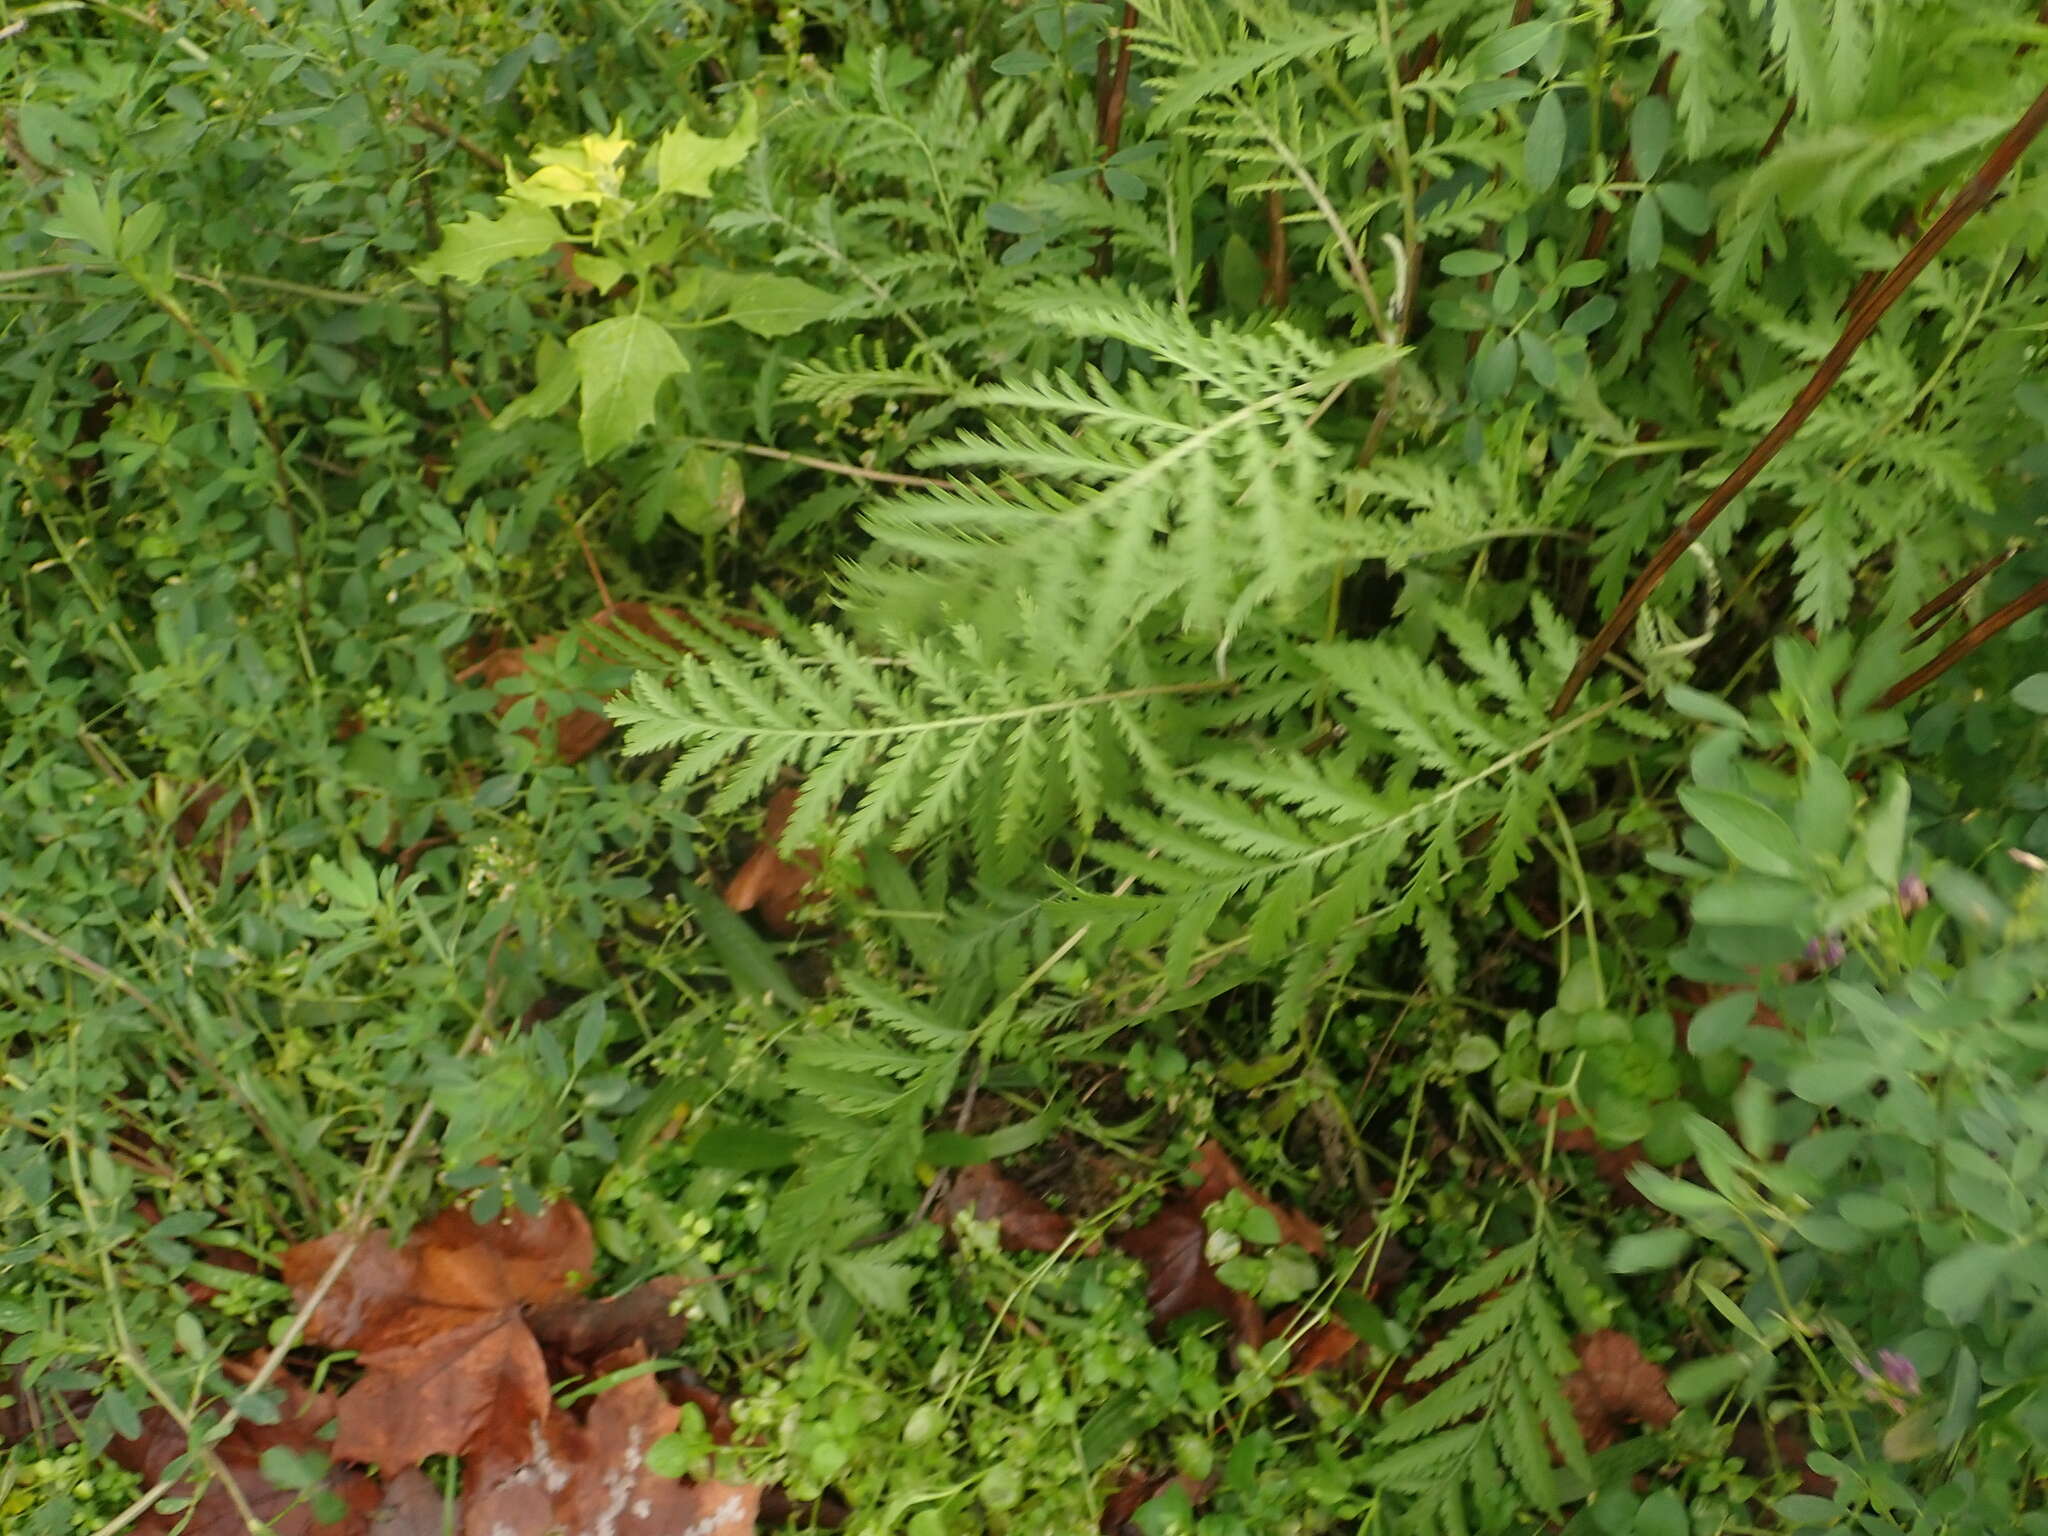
1024	1223
240	1455
590	1478
1615	1387
768	882
449	1364
1330	1341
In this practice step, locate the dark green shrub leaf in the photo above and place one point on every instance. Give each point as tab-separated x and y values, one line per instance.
1645	236
1697	1380
1470	263
1752	834
1688	206
1958	1285
1543	151
1830	1082
1510	49
1649	134
1719	1025
1641	1251
1021	61
1752	899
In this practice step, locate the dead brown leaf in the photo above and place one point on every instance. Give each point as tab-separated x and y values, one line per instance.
581	731
1137	1490
449	1364
1172	1247
1615	1388
1220	1176
770	883
578	1332
589	1477
240	1454
214	852
412	1506
1024	1222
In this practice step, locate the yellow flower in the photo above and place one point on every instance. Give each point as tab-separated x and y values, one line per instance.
586	171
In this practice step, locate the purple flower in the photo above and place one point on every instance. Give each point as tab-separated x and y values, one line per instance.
1899	1371
1912	895
1825	954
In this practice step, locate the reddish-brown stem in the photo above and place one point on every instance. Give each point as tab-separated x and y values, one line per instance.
1276	251
1975	194
1421	59
1952	594
1109	110
461	141
1965	643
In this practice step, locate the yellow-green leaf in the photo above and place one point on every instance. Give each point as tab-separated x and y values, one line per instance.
765	302
685	162
622	362
477	244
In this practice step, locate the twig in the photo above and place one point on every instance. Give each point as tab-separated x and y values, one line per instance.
1109	113
1937	606
461	141
1974	195
859	472
1275	295
431	218
2034	597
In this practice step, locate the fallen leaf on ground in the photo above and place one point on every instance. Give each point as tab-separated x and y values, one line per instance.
1137	1491
1615	1388
1321	1347
240	1455
1763	1451
581	731
214	852
1024	1223
1220	1176
412	1506
578	1332
449	1364
1331	1341
1172	1247
775	885
590	1478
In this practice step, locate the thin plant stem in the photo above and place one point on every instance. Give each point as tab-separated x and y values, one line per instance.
1975	194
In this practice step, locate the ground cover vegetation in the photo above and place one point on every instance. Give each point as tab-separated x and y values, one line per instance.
1212	766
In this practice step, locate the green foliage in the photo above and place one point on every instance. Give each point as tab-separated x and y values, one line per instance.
1144	492
1879	1187
1485	1432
